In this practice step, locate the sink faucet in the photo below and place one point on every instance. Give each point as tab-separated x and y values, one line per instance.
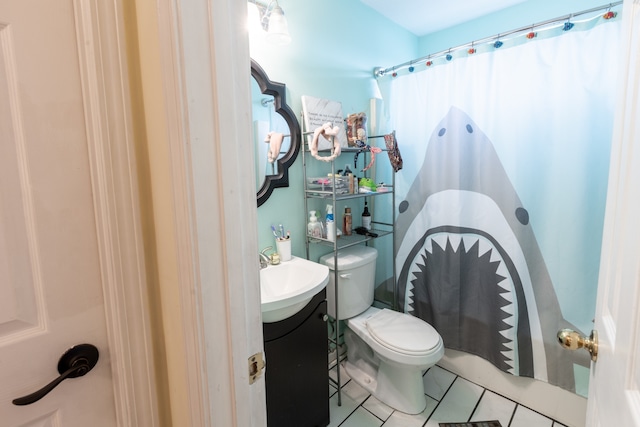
264	259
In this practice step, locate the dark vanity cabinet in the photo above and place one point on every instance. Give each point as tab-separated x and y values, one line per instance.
297	376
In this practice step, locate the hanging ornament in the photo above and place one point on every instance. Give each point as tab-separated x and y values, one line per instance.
531	35
498	44
472	50
411	69
429	63
449	57
609	15
394	74
567	26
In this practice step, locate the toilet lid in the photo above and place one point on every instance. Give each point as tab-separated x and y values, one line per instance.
402	332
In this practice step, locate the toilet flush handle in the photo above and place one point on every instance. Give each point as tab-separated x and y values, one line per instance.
345	276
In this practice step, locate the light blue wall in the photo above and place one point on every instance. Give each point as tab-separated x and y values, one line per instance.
335	46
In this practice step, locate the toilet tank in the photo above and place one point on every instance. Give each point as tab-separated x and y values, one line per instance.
356	280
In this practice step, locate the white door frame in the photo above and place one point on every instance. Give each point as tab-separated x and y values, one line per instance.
103	67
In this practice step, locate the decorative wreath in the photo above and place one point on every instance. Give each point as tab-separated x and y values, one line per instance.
327	131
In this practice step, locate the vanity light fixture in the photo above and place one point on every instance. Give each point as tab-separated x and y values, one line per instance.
270	17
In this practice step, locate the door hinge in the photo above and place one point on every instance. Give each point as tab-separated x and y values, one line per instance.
256	366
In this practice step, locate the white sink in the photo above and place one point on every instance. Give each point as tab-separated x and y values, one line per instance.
287	287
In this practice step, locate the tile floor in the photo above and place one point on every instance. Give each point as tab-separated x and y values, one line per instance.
450	398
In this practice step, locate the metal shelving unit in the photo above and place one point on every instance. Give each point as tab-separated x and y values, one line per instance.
380	228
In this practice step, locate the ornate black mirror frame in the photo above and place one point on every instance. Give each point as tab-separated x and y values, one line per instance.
277	90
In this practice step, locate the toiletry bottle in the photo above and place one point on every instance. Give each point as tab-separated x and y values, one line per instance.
314	228
330	224
346	222
349	175
366	217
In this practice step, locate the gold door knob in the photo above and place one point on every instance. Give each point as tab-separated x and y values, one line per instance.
572	340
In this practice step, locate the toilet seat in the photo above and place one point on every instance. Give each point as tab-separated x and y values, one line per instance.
403	333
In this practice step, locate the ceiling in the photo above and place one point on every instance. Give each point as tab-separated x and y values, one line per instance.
418	16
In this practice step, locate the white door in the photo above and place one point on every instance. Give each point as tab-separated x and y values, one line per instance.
614	391
50	281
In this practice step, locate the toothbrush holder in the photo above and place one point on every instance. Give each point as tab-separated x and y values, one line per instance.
283	247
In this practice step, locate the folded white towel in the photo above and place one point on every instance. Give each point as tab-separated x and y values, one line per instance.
274	139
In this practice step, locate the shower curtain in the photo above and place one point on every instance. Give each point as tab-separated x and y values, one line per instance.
500	203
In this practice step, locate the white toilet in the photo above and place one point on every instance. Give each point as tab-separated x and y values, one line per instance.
387	351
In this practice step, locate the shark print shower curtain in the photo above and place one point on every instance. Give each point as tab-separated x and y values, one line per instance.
500	203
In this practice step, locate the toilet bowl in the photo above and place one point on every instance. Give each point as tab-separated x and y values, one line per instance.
387	351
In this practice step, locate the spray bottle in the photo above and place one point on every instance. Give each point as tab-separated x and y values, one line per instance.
330	224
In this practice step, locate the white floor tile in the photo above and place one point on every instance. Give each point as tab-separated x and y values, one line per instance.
458	404
437	381
362	418
525	417
344	377
378	408
355	392
449	399
337	414
400	419
494	407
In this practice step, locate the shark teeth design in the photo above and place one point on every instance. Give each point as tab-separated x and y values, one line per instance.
471	268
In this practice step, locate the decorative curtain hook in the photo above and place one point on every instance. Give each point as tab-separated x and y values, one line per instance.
497	43
531	34
429	62
568	25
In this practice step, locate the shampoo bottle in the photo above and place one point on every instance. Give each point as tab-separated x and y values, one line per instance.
314	228
330	224
366	217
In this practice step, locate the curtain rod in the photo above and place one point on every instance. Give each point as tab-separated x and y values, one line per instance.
380	72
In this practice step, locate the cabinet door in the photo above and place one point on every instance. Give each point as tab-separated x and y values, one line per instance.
297	377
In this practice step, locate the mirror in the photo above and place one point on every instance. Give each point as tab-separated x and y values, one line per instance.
272	114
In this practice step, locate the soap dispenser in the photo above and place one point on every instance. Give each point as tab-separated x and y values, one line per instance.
314	228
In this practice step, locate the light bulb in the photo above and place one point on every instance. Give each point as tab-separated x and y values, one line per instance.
278	32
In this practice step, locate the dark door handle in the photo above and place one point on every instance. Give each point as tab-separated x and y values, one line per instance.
75	362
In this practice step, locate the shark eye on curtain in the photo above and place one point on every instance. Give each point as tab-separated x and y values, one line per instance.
522	215
404	205
469	128
442	131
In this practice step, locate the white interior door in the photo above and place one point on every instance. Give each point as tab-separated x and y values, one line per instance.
50	280
614	391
